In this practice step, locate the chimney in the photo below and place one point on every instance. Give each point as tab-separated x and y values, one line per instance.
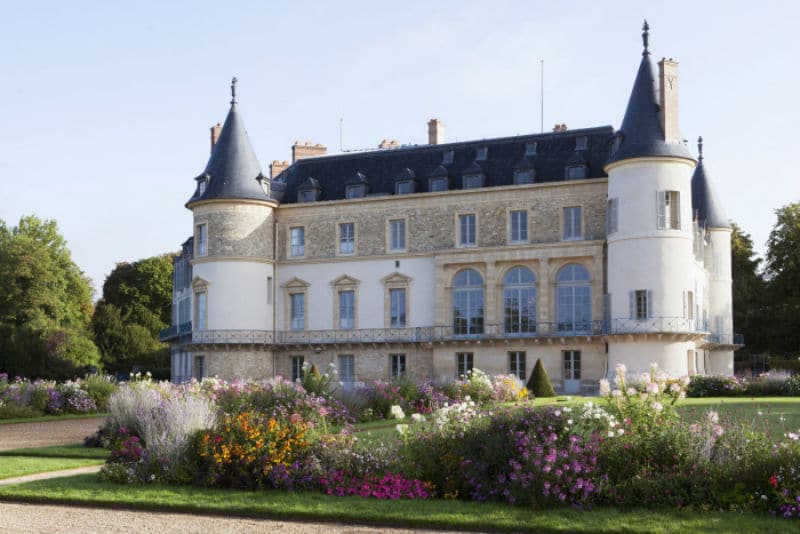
668	99
277	167
435	132
307	150
560	128
394	143
215	131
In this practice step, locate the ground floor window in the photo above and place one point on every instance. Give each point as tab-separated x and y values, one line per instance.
297	367
199	368
347	369
464	362
517	364
397	365
572	364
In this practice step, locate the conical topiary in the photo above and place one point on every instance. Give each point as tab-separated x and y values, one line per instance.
314	371
539	383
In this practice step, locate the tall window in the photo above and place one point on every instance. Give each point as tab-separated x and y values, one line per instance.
297	367
298	311
347	309
519	226
347	238
397	308
573	300
572	227
397	365
200	311
519	301
298	241
611	215
572	364
464	362
517	365
202	240
397	235
199	370
466	230
467	303
641	303
669	210
689	312
347	368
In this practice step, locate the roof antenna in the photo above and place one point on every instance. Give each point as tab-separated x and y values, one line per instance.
645	38
341	127
541	96
700	147
234	81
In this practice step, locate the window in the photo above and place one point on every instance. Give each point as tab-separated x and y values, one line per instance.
688	312
269	290
202	240
397	366
580	143
297	368
297	303
669	210
519	302
347	309
397	308
200	311
439	184
572	364
517	365
307	196
298	241
202	187
523	176
573	300
347	369
482	153
530	148
572	227
405	188
641	303
355	191
611	215
397	235
473	181
347	238
466	230
519	226
467	303
447	157
199	370
576	172
464	362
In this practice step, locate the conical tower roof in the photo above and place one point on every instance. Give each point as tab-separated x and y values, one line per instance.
641	134
233	171
706	207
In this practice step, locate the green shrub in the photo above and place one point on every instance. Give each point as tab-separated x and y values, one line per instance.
99	388
792	365
17	411
715	386
539	383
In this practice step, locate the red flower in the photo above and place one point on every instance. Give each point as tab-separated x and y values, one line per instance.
773	481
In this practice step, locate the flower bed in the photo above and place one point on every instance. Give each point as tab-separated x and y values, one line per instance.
772	384
21	397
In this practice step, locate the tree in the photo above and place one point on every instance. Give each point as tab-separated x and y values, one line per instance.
783	272
45	303
539	383
748	290
136	306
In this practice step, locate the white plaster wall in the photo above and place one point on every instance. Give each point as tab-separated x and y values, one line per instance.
637	356
720	362
370	293
720	283
237	294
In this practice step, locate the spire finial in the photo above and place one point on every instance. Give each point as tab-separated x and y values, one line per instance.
234	81
700	147
645	38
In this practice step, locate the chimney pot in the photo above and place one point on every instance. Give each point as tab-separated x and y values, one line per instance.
216	130
668	100
435	132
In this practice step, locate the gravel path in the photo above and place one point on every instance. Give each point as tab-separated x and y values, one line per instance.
29	518
46	433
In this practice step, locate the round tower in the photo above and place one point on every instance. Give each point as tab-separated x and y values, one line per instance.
652	277
708	212
233	265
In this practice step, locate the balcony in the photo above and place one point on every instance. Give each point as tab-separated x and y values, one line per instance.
175	331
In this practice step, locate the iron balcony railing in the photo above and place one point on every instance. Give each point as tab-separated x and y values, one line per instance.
726	339
175	331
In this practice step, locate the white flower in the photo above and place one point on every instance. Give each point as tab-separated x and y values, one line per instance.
397	412
418	418
401	429
467	398
616	393
713	417
631	391
794	436
674	388
569	421
620	432
620	367
652	388
644	377
557	413
567	409
610	434
685	380
759	412
657	407
605	387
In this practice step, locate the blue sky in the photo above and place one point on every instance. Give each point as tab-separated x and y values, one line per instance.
107	105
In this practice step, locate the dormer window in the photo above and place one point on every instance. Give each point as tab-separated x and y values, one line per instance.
439	184
524	176
201	188
580	143
482	153
530	148
264	182
575	172
356	191
306	196
405	183
472	181
616	141
405	187
309	191
447	157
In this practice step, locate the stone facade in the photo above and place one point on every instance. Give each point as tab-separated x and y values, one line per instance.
236	230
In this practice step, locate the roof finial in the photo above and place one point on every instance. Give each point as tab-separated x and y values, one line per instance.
234	81
700	147
645	38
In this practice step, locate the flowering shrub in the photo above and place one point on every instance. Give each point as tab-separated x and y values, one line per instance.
245	450
388	486
25	398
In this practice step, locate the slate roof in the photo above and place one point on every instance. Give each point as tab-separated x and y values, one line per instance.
640	134
706	207
233	171
381	168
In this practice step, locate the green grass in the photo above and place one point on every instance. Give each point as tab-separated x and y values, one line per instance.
88	490
77	450
774	415
51	418
17	466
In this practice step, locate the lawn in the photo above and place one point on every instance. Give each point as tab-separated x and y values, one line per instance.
17	466
77	451
88	490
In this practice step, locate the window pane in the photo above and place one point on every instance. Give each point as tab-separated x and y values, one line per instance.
472	181
298	241
405	188
523	177
347	301
297	303
397	307
347	368
398	365
466	229
398	234
200	311
347	238
202	239
439	184
297	367
519	226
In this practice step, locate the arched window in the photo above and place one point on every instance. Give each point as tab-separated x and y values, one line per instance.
573	300
467	303
519	302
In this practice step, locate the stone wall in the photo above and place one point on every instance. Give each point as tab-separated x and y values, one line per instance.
240	229
232	364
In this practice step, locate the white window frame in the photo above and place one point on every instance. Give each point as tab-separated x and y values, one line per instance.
200	310
202	240
297	249
641	304
398	297
399	186
346	238
467	232
297	370
518	229
397	235
397	366
572	229
669	210
612	215
517	364
297	314
465	362
347	310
